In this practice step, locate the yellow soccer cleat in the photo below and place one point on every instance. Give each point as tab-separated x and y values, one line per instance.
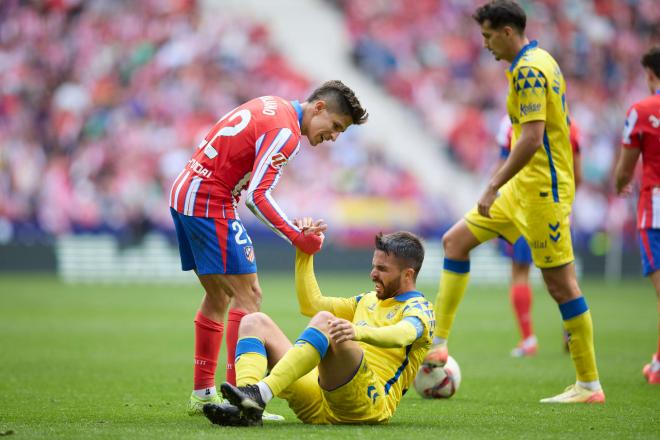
437	356
196	404
576	394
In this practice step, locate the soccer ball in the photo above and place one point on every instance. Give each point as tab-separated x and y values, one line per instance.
438	382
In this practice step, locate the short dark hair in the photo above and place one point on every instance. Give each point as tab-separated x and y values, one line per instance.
405	246
651	59
502	13
341	99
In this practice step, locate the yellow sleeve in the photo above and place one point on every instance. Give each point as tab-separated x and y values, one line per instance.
400	334
531	88
310	298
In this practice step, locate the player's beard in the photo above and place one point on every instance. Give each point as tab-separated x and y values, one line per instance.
389	289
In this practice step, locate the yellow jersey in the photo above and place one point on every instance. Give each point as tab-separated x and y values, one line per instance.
537	92
396	367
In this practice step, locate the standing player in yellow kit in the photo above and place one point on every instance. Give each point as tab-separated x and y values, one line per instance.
530	195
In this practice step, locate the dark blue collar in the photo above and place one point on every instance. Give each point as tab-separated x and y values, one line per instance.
298	108
657	92
531	45
403	297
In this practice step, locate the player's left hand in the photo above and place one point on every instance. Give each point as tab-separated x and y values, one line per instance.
486	201
341	330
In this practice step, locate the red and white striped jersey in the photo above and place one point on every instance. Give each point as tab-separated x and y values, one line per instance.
246	149
642	131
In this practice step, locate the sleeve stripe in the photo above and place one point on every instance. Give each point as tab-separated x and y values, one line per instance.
277	144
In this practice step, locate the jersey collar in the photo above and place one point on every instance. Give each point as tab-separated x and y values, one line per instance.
403	297
299	111
531	45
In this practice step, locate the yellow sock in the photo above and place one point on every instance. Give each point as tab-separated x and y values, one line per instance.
453	283
306	354
578	324
251	361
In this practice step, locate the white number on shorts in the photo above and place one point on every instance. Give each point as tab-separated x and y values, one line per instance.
244	116
238	228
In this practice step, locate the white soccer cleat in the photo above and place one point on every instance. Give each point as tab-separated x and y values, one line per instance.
576	394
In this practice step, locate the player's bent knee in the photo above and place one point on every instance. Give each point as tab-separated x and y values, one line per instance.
255	323
320	320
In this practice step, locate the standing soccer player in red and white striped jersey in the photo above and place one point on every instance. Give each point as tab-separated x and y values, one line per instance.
245	150
641	135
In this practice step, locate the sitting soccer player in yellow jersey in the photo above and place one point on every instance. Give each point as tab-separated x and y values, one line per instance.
354	361
530	195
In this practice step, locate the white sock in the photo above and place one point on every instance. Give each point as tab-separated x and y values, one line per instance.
439	341
594	385
205	393
266	393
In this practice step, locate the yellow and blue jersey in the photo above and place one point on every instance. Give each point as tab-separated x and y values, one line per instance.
537	92
396	367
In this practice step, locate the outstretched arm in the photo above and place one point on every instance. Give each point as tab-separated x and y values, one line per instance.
310	298
273	151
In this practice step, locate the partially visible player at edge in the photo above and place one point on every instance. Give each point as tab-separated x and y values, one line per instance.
356	358
246	149
641	136
531	195
519	252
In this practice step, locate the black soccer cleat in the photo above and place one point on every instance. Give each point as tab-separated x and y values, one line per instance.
248	399
224	414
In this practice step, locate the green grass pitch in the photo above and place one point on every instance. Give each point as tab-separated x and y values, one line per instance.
115	361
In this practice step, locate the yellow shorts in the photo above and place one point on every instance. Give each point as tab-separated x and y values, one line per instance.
360	401
545	226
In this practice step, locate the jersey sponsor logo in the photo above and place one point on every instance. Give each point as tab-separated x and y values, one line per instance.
249	253
278	160
199	168
529	108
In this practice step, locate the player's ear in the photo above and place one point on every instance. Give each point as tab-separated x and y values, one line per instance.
320	105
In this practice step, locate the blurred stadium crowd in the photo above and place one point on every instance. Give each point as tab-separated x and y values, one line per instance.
102	102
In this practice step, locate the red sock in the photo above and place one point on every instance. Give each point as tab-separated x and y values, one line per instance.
233	321
521	299
208	337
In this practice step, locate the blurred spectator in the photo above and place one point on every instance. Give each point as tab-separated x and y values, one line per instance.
101	103
436	64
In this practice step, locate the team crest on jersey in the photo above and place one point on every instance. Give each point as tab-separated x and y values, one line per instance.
278	160
249	253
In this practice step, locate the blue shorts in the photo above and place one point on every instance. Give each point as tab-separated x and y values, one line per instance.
519	252
213	245
649	245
